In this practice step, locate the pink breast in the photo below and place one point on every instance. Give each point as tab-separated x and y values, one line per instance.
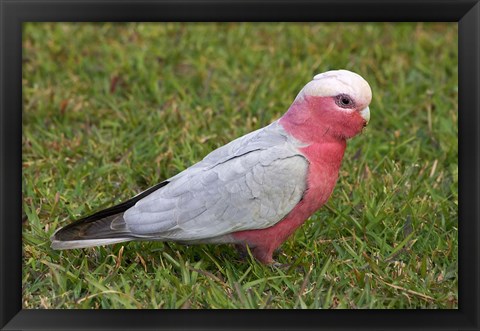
325	160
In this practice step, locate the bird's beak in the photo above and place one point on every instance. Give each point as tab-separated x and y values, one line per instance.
365	113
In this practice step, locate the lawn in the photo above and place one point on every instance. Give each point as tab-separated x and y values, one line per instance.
112	109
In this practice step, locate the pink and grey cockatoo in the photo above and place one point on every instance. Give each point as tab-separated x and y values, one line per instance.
256	190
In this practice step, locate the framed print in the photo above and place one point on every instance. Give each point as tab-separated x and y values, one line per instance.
267	165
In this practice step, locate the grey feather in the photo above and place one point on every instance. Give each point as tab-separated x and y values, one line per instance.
251	183
83	243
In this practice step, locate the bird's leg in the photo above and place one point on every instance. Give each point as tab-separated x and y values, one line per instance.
261	254
242	251
268	259
264	255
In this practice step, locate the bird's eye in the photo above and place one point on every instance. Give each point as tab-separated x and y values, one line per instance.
344	101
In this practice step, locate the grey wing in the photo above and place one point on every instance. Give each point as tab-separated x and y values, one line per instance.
251	185
270	136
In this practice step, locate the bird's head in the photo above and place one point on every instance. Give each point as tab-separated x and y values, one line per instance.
334	103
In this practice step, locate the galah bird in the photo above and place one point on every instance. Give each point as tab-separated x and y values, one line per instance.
256	190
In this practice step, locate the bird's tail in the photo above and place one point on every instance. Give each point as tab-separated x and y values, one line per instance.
102	228
90	232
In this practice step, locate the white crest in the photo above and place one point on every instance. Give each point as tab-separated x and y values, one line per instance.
334	82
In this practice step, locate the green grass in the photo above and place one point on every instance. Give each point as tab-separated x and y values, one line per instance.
111	109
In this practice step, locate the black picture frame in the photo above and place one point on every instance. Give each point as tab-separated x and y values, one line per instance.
15	12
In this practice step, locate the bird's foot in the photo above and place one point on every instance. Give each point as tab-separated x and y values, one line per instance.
262	255
279	265
242	251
